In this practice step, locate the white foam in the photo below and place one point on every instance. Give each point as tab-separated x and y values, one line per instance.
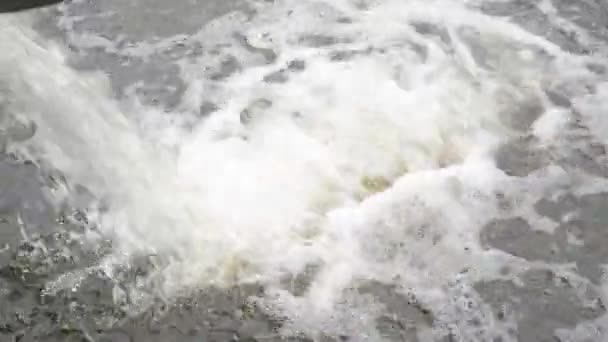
377	167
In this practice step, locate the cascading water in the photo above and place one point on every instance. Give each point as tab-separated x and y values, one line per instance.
369	141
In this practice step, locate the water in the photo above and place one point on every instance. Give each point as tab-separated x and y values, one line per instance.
377	170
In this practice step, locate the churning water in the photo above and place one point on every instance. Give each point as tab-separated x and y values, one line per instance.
343	142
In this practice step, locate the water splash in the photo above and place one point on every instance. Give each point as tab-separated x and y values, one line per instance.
372	159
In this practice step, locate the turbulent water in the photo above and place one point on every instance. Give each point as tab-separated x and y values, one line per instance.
374	166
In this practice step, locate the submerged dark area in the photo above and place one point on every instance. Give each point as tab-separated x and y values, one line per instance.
7	6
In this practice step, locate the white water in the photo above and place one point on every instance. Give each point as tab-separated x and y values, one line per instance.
380	167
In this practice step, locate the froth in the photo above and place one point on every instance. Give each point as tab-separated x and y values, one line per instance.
377	165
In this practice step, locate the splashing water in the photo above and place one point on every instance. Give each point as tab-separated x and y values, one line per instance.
365	146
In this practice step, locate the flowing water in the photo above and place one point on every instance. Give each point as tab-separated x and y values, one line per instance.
389	170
